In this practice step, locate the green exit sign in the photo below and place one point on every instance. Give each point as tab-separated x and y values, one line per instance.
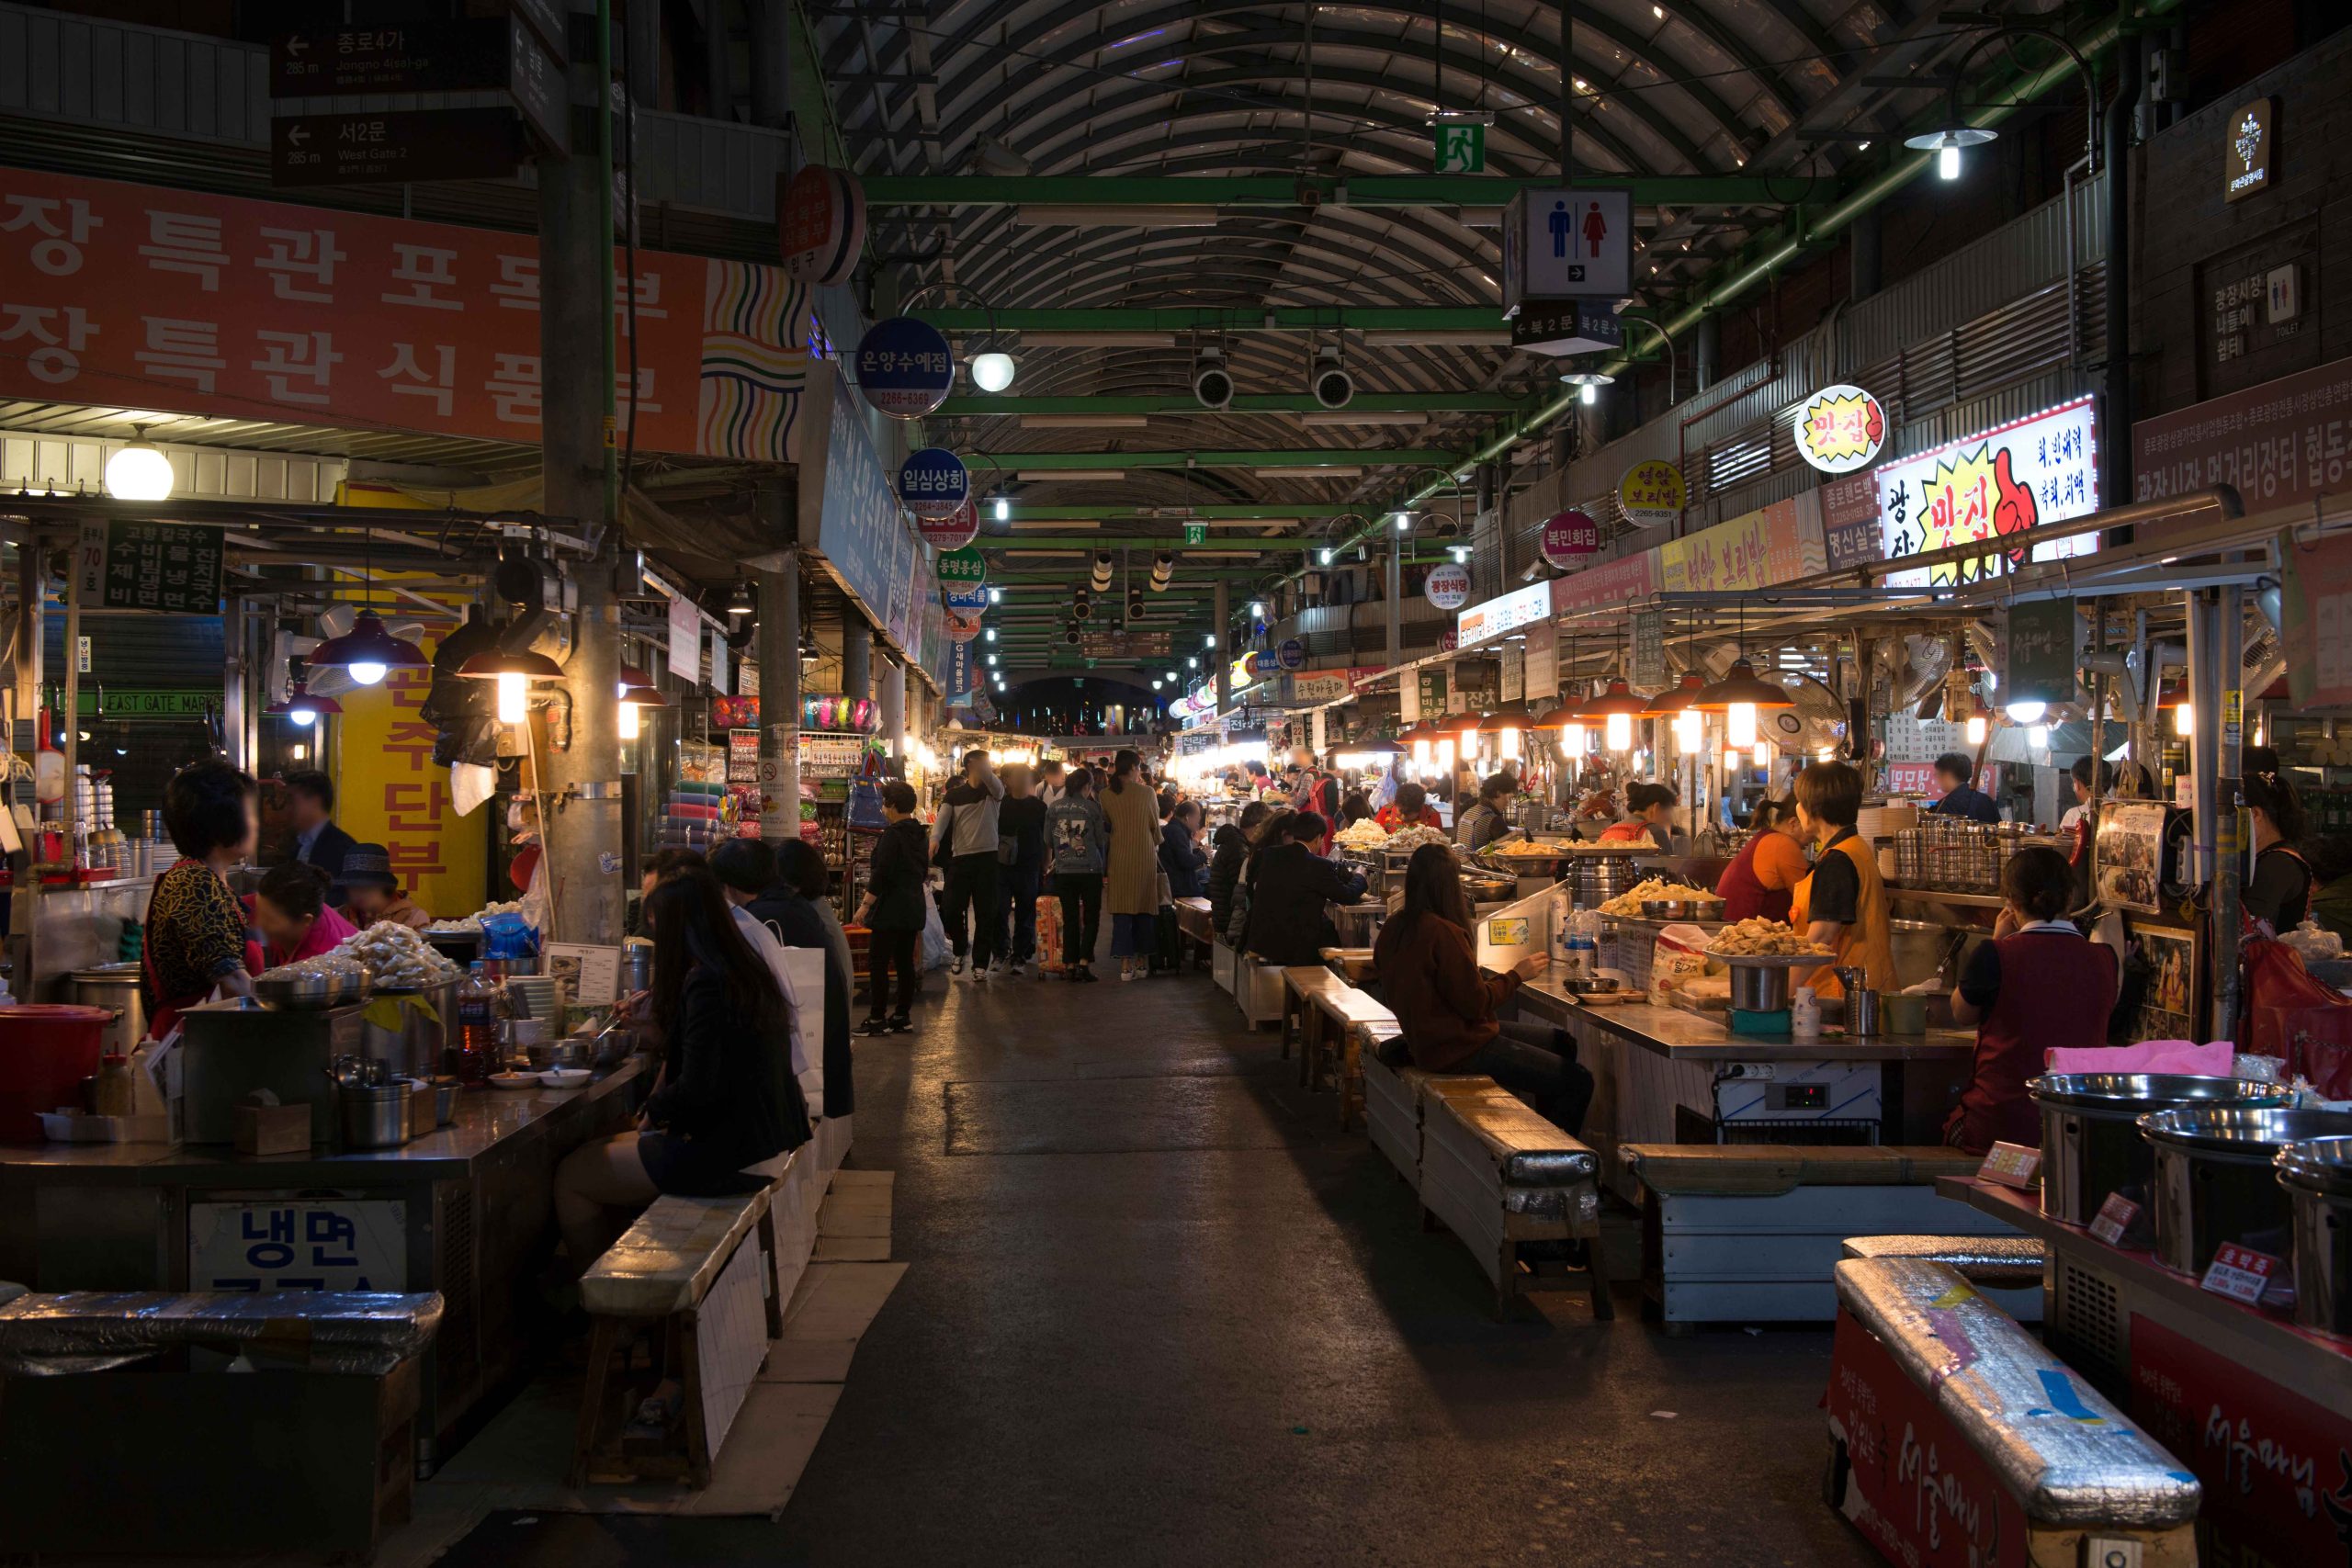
1196	532
1461	148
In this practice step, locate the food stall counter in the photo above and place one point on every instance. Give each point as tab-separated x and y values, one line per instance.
1679	1033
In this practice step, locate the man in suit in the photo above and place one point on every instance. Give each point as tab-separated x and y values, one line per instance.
310	804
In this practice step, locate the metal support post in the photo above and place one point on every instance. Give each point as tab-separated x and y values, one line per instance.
1396	602
1227	648
892	694
858	655
780	699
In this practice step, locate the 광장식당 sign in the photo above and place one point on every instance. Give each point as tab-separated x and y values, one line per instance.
1996	487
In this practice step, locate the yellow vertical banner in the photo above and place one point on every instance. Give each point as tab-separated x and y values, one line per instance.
389	791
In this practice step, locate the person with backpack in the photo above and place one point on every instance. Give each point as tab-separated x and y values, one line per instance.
964	842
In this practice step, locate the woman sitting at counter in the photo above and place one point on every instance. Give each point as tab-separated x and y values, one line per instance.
1445	1004
372	893
1289	884
1761	880
291	911
2037	984
1649	814
196	927
1843	904
727	1098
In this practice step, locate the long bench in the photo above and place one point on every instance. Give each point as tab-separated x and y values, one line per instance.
1750	1233
1332	1046
1997	1262
1955	1434
691	1270
1397	1102
1195	924
1501	1177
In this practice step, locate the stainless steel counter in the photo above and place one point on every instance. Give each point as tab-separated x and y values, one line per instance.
1684	1035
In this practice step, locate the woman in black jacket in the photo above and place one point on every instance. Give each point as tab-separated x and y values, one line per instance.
1289	884
727	1098
1232	848
894	910
1180	856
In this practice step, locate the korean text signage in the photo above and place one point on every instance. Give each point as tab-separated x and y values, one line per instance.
1448	587
422	56
1568	536
1652	494
2043	637
169	566
2246	165
861	531
339	1243
934	483
392	794
1498	617
1839	429
951	531
2280	443
1568	243
394	146
820	223
1849	530
1996	487
963	567
904	368
1292	654
136	297
1773	544
2317	608
1562	327
1628	577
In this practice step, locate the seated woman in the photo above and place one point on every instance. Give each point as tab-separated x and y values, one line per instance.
196	927
291	911
1289	884
727	1097
1762	879
372	893
795	908
1445	1004
1649	814
1411	809
2279	891
2037	984
1181	855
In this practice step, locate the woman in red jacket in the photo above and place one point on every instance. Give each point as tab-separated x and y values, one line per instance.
1762	879
1445	1004
2037	984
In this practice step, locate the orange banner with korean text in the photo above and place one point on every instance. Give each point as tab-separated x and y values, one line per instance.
1773	544
389	791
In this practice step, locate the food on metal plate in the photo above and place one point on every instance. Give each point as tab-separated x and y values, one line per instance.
1761	937
1656	889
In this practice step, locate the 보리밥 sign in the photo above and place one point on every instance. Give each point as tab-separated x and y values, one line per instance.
1651	493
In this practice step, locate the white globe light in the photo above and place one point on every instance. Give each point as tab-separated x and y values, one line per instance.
367	674
2026	711
139	472
992	371
302	716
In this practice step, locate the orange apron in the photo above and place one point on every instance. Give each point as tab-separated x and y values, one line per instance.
1864	942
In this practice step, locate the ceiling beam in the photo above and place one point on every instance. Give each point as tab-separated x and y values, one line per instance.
1270	458
1283	191
1231	511
979	405
1214	317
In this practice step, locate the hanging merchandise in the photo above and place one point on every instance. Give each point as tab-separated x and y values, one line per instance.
934	484
904	368
1839	429
1569	537
820	223
1448	587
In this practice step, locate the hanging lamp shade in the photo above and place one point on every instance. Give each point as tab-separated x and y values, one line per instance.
1511	716
530	665
1560	718
1616	698
1673	700
302	707
369	643
1741	684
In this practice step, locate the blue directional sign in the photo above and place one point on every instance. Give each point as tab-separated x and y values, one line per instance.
934	482
904	368
961	596
1292	654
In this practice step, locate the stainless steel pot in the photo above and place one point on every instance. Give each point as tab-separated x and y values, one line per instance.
114	987
637	966
1759	987
2318	1180
373	1116
2091	1144
2216	1179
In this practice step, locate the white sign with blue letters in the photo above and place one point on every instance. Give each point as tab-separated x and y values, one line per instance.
299	1244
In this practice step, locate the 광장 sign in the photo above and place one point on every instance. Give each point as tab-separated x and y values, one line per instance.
1997	486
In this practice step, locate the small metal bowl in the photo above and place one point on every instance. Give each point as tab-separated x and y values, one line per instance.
1661	908
310	993
1597	985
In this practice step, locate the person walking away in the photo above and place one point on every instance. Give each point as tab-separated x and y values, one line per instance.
727	1099
796	910
1080	848
1131	884
1446	1005
1289	886
1761	880
1411	809
2037	984
1230	849
309	805
1021	821
892	911
965	838
1956	776
1843	904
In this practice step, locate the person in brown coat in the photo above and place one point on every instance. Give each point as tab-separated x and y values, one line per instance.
1445	1004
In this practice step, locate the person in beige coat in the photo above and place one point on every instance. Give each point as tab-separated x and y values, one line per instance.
1131	890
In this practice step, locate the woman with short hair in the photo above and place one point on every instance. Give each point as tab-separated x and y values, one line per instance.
196	925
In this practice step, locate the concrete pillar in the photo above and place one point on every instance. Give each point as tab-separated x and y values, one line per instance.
717	73
858	655
1229	647
891	691
643	41
771	61
579	784
780	698
1394	606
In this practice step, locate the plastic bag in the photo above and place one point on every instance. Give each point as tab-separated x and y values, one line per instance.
935	951
2289	1014
508	935
1678	955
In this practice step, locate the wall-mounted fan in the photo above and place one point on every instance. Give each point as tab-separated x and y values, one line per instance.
1817	723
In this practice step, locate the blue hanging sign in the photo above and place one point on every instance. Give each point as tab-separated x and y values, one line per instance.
934	482
1292	655
967	596
904	368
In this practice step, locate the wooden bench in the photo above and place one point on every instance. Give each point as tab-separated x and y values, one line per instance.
1953	1432
1501	1177
684	1267
1989	1262
1194	923
1258	987
1396	1104
1301	984
1326	1044
1749	1233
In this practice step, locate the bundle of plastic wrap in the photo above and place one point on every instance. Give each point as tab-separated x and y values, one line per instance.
94	1331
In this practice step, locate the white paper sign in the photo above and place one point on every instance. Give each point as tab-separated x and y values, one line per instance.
338	1243
594	972
686	641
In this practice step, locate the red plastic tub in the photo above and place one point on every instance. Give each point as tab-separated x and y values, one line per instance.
46	1050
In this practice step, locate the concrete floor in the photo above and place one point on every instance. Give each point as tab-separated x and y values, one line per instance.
1160	1311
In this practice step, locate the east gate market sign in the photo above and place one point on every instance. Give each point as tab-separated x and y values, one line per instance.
169	566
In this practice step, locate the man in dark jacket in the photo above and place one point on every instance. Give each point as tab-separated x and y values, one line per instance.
1021	821
893	910
309	805
1956	776
1289	884
1180	856
789	907
1231	845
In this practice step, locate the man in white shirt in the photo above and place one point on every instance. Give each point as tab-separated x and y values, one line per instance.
1049	784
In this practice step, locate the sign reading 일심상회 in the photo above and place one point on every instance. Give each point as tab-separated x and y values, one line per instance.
2252	136
174	568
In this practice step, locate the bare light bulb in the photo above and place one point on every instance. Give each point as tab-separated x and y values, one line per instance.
2184	721
1975	729
1739	725
1689	731
992	371
1948	161
1510	743
1572	742
629	721
305	716
1618	733
1588	394
513	699
1003	509
366	674
139	472
1763	752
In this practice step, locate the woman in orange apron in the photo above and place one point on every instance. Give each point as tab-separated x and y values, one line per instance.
1843	904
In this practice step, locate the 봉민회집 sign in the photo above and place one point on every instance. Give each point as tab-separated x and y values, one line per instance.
1568	536
2247	164
1576	243
1839	429
1997	486
174	568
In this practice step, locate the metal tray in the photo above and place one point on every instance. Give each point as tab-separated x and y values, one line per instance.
1772	960
310	993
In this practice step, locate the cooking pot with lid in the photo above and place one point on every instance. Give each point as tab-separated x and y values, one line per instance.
2091	1144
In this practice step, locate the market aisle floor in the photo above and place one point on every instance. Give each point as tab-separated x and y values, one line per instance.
1158	1310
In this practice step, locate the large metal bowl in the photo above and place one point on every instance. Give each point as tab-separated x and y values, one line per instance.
310	993
2091	1144
2215	1177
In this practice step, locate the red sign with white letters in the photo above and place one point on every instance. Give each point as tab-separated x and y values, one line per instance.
138	297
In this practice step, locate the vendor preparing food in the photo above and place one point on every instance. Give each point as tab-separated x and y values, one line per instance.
1843	904
291	911
372	893
2037	985
196	928
1489	818
1409	810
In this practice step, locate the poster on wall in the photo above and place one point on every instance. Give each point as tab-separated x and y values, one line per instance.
2168	1007
1997	486
2131	855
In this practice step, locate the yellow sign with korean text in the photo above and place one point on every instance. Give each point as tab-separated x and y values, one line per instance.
1651	493
389	791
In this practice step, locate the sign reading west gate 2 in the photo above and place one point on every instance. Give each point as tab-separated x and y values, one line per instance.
169	566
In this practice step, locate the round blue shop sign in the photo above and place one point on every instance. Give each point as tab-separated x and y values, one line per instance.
933	483
904	368
1292	654
1262	663
963	597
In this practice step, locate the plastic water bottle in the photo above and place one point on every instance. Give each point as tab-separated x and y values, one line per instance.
477	1025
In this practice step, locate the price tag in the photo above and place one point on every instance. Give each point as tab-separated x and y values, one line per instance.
2011	1165
2114	1219
2240	1273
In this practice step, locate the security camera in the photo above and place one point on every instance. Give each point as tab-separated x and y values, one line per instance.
1332	386
1212	382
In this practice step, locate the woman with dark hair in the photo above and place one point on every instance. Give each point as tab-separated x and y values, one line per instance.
2279	891
1180	856
1354	809
2037	985
1232	849
290	907
1445	1004
1649	814
793	907
1131	886
1289	886
727	1099
1411	809
196	927
1762	879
